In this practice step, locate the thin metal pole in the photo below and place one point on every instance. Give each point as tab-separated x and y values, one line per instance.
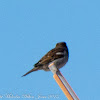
62	82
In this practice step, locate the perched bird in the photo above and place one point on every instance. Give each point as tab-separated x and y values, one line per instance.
59	56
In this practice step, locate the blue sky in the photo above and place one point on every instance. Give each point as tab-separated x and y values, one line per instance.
29	29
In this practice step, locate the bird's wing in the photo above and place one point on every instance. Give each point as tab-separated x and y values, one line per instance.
51	56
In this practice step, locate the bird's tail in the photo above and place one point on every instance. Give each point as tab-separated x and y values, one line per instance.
34	69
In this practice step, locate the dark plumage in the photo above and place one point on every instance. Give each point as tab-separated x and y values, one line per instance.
58	55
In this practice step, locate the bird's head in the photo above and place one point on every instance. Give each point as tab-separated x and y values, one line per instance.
61	44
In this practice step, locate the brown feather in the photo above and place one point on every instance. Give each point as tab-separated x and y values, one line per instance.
50	56
34	69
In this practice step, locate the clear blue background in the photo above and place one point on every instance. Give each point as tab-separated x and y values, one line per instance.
30	28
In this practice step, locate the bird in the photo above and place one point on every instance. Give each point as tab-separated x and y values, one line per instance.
58	55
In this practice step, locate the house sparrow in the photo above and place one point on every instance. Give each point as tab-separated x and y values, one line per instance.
59	56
